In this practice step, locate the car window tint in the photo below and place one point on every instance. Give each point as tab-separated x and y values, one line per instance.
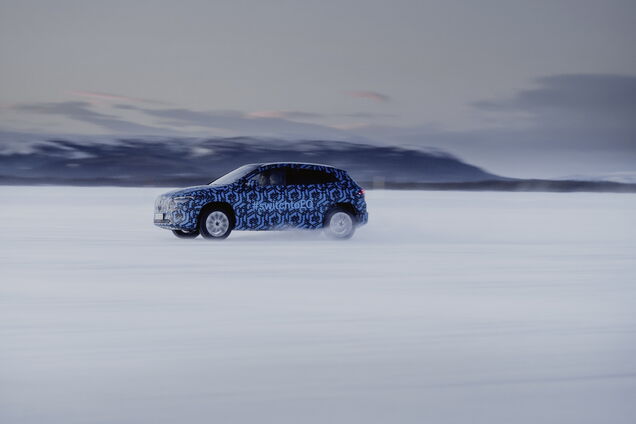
277	176
269	177
298	176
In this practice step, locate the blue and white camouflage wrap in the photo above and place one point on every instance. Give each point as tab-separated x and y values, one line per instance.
267	207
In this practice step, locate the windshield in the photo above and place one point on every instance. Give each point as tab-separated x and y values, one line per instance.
235	175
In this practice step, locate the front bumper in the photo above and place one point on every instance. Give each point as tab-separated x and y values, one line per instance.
173	216
162	220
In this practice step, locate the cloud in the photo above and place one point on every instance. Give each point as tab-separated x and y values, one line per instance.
350	126
99	96
299	115
81	111
574	101
241	123
367	115
570	124
285	114
371	95
183	121
230	122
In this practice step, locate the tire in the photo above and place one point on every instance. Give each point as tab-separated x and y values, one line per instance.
215	224
339	224
186	234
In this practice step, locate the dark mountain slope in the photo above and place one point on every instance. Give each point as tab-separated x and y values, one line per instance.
185	161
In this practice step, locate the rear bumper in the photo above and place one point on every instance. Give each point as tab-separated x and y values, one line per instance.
360	205
363	218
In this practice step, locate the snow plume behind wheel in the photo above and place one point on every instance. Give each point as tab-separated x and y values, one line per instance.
339	224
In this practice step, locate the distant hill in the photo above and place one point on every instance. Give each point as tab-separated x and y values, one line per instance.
554	186
176	162
194	161
615	177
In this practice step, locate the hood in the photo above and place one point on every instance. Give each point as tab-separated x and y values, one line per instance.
191	191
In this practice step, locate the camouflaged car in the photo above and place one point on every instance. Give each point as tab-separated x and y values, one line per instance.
268	196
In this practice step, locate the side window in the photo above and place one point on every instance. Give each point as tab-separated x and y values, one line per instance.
277	176
269	177
299	176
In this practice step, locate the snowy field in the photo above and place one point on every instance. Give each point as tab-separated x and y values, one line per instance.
449	307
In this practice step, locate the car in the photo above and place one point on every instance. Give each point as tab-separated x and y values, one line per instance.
266	196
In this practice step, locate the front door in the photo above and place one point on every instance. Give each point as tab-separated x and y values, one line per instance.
266	200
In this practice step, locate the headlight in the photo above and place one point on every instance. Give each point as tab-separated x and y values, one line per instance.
176	202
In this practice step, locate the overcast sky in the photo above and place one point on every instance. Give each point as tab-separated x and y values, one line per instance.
522	88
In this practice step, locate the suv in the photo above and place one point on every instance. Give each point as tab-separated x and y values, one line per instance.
267	196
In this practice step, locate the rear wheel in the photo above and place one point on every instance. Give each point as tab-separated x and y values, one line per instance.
339	224
186	234
215	224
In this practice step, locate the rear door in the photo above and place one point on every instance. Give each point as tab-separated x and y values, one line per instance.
307	196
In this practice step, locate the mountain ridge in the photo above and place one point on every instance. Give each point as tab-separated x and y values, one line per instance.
144	160
27	159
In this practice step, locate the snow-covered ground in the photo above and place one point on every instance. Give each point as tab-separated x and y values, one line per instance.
448	307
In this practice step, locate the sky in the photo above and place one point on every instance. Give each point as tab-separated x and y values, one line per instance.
525	89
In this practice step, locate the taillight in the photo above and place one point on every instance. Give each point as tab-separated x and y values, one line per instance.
361	192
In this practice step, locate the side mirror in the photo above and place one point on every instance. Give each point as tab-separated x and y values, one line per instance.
250	184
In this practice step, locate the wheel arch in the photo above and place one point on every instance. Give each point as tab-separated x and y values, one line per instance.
345	206
224	206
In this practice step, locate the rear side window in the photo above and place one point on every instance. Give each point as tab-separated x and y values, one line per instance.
298	176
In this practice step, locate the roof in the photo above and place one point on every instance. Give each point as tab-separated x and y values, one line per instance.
297	163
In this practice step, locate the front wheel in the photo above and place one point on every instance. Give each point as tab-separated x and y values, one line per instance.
186	234
339	224
215	224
